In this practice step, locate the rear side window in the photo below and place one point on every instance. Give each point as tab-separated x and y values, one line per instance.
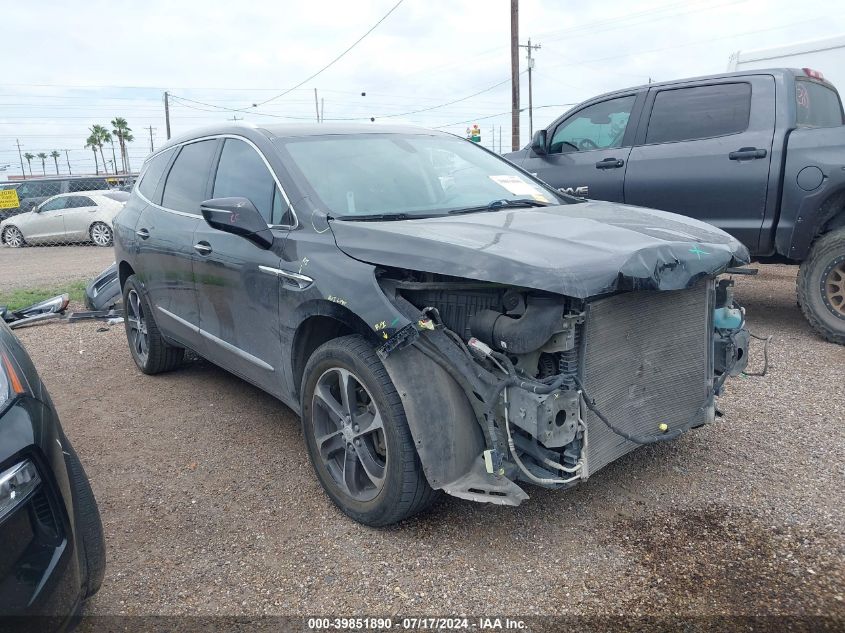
185	186
242	173
684	114
152	175
77	202
817	105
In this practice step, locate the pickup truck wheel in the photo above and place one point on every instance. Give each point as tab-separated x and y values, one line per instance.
151	353
357	435
821	286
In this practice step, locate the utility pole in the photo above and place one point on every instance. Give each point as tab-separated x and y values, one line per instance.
500	139
237	118
514	75
152	149
316	105
530	102
18	141
67	158
167	113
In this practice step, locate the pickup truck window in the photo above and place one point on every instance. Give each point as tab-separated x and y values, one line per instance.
817	105
684	114
599	126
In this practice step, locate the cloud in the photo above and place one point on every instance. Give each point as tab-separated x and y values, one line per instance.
121	56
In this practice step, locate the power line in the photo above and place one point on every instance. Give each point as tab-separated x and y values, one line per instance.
335	60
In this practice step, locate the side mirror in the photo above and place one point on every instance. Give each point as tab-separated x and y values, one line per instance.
538	143
239	217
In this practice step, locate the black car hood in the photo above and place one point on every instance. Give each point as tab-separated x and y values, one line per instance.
579	250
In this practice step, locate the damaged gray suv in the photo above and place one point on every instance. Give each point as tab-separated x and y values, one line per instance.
440	319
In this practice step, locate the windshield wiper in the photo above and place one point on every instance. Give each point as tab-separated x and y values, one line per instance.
502	203
373	217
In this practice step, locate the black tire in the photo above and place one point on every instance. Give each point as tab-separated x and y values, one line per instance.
404	490
826	255
101	234
6	237
89	527
156	355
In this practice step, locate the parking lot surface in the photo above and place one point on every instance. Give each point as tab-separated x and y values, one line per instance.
210	505
50	266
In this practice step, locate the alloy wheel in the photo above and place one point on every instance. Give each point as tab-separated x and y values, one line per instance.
349	433
13	237
138	335
101	234
834	287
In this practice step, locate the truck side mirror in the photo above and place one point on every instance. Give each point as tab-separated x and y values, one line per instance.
239	217
538	143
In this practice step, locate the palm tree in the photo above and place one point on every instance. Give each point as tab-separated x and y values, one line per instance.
101	135
92	143
43	157
55	156
121	129
29	158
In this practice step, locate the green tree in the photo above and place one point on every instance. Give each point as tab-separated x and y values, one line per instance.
102	136
121	129
55	156
43	158
92	142
29	158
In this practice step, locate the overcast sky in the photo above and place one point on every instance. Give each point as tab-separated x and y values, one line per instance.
71	64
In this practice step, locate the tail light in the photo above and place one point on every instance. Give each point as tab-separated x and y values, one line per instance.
815	74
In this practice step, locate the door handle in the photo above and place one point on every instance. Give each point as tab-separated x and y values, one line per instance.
747	153
203	248
142	233
610	163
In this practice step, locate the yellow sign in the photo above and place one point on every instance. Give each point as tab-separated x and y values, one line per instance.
9	199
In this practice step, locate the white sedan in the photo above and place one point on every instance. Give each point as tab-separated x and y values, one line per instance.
80	216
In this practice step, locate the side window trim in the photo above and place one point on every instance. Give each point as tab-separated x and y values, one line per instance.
648	109
160	185
628	137
213	171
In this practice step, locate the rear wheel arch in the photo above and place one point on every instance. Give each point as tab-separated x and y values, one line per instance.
124	270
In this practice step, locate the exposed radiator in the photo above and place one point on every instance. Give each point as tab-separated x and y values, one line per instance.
647	361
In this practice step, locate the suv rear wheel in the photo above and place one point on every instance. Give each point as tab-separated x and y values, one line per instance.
149	350
357	435
821	286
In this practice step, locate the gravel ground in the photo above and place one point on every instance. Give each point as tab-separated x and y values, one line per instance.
210	505
50	266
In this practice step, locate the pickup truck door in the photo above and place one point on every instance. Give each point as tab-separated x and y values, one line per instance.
588	149
703	150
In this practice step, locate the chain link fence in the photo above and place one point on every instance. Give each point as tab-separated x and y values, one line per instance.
68	210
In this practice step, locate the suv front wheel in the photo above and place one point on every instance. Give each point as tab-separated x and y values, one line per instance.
357	435
821	286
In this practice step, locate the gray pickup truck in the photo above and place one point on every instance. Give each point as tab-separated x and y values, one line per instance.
760	154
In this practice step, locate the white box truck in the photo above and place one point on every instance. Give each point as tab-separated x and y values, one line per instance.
826	56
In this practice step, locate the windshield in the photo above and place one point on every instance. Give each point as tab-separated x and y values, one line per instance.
411	175
817	105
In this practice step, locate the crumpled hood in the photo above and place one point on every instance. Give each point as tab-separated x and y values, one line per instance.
579	250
